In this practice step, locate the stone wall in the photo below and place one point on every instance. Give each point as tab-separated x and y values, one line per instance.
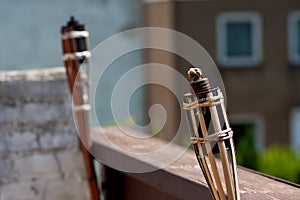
39	151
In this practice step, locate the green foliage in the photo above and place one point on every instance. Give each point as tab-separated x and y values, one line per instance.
159	135
129	122
246	153
280	162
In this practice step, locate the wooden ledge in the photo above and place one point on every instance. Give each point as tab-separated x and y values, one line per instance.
182	178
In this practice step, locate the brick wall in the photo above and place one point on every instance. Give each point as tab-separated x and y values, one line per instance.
39	152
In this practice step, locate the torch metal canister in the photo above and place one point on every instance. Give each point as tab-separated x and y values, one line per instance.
211	132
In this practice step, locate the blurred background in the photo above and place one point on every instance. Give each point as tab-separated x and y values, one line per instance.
255	44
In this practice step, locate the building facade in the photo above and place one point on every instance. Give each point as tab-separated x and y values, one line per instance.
256	47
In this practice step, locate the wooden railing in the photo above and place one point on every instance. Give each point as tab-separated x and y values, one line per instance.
182	179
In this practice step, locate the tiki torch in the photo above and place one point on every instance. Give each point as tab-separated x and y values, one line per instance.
76	59
211	133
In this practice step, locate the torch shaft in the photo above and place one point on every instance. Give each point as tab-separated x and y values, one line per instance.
202	161
72	65
208	106
223	152
211	157
233	157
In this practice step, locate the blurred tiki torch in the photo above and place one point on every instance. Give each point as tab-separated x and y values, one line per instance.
203	106
76	59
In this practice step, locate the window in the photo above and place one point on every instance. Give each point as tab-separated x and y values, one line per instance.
254	122
295	129
248	136
294	37
239	39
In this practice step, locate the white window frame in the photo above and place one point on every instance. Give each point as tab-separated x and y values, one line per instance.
293	54
295	129
259	127
239	61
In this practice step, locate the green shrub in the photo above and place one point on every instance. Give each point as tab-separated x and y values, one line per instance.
246	154
280	162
